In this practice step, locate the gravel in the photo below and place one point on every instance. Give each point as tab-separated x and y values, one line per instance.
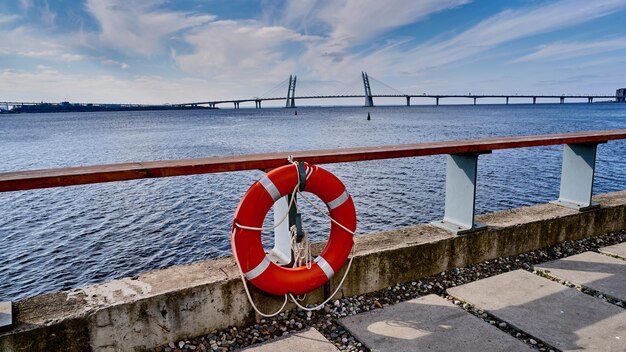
326	319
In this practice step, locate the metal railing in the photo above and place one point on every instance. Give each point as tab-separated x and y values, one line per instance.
576	188
579	156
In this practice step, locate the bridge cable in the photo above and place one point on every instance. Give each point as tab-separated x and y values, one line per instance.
272	92
392	89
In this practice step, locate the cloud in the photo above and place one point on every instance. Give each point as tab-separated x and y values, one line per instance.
601	62
511	25
344	25
48	16
328	60
319	39
139	27
51	85
354	22
26	42
297	13
110	62
349	23
6	19
560	51
236	50
26	5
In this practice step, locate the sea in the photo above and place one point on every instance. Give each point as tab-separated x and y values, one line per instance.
63	238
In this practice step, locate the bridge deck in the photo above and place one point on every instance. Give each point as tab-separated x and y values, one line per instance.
434	96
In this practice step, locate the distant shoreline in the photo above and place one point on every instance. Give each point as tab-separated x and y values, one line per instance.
56	108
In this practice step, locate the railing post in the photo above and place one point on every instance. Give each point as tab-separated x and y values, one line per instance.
6	316
281	253
460	202
579	164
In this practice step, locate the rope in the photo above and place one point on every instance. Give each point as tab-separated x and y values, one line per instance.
245	286
302	250
321	305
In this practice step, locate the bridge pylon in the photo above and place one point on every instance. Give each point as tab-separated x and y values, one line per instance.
369	100
291	92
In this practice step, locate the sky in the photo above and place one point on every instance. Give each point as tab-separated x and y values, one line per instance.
157	51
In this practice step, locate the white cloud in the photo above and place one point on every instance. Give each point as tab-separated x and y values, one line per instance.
26	42
240	51
298	13
48	16
349	23
26	5
601	62
559	51
51	85
110	62
397	59
512	25
135	26
245	57
6	19
354	22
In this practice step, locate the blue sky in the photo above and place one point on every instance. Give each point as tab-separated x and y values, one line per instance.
157	51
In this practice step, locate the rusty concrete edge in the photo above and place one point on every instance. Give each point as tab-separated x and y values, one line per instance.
195	299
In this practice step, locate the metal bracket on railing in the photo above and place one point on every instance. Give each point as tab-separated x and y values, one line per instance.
6	316
460	203
281	252
579	164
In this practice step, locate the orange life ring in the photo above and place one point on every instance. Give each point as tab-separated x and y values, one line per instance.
254	206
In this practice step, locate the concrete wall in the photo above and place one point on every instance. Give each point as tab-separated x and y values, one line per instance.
133	314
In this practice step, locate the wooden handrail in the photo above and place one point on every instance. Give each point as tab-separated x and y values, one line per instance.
47	178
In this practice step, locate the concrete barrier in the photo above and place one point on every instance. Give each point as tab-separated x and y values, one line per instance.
133	314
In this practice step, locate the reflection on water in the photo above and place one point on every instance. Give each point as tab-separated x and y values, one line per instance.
66	237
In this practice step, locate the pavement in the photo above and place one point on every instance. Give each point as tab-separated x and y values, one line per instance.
428	323
308	340
549	305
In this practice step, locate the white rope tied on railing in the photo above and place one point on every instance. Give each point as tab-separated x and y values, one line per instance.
302	251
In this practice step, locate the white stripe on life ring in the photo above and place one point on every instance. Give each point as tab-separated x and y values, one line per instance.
259	269
338	201
270	188
323	264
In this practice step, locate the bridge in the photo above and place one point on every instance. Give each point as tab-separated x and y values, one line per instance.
386	91
366	87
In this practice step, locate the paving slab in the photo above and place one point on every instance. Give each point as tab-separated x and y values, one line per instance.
6	316
593	270
617	250
560	316
308	340
428	323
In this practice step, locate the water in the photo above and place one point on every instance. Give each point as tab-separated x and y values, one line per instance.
60	238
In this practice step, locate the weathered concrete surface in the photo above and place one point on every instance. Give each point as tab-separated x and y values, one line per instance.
593	270
428	323
309	340
135	314
191	300
6	315
386	258
618	250
562	317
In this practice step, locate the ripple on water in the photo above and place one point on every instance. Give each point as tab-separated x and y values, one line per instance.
60	238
